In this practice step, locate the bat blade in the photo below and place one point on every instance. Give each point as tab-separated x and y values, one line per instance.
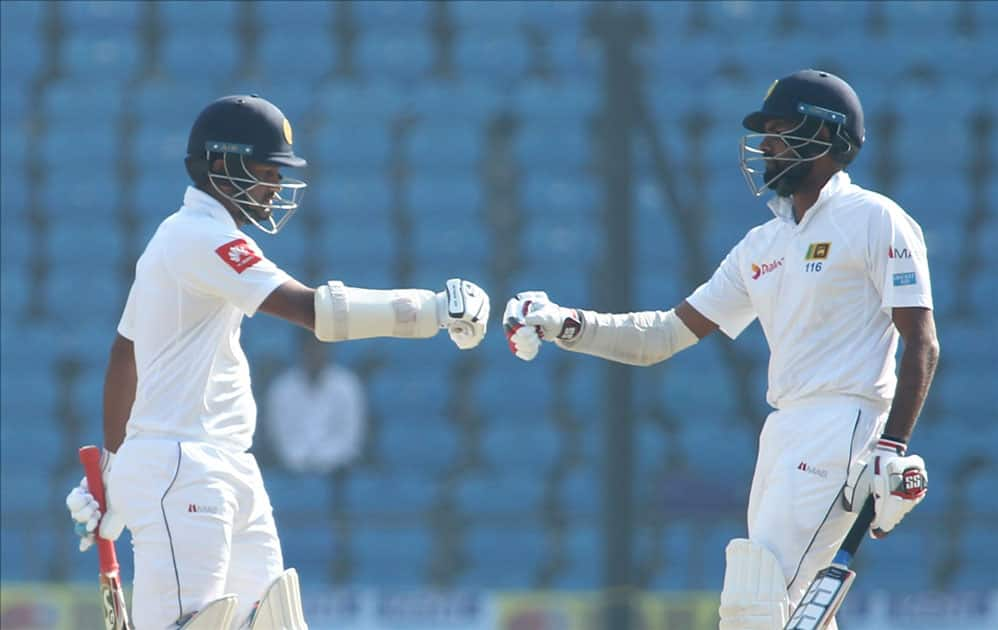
822	599
112	593
829	587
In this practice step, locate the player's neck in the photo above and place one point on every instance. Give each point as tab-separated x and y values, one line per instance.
805	197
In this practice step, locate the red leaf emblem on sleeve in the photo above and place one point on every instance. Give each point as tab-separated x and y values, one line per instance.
238	255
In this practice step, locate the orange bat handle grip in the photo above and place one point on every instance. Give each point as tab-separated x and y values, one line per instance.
90	458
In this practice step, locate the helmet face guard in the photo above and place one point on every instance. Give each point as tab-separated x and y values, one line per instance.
803	147
270	216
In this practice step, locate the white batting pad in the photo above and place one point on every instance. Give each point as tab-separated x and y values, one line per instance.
215	615
280	608
755	593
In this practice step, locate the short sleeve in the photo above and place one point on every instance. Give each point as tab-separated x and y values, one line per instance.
126	325
230	266
723	299
897	260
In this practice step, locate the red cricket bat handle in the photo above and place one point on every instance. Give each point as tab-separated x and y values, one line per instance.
90	458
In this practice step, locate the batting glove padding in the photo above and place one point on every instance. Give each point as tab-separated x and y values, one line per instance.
85	511
467	312
898	483
533	310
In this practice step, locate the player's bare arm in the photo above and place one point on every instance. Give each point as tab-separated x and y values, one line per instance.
698	324
919	358
292	301
642	338
119	391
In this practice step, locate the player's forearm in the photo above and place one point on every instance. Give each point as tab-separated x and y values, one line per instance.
918	366
119	392
642	338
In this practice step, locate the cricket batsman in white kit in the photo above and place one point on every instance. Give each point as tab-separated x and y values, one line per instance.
834	278
179	413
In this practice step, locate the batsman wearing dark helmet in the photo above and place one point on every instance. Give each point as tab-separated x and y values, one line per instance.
179	412
835	278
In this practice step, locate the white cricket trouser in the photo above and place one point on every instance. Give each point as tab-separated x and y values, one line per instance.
202	526
795	508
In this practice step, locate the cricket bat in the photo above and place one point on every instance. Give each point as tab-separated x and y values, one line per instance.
829	587
112	593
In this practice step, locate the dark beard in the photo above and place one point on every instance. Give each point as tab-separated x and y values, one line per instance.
788	183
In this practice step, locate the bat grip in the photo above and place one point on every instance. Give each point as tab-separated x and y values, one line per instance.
858	530
90	458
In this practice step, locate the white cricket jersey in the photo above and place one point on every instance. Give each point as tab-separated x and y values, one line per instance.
823	291
196	279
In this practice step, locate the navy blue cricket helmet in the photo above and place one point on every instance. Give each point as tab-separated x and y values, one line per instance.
814	99
240	128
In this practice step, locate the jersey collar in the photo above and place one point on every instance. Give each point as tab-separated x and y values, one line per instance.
197	199
783	207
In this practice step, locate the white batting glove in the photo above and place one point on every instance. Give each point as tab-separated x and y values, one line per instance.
85	511
531	317
463	309
897	483
524	341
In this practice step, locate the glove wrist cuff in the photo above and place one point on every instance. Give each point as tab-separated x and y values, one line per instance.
571	326
889	443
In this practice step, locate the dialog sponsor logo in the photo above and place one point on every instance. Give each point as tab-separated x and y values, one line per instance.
760	270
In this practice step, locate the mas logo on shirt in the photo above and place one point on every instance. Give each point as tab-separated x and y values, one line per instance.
238	255
900	253
817	251
761	270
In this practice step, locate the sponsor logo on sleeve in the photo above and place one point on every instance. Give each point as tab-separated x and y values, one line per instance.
904	279
818	251
899	253
761	270
238	254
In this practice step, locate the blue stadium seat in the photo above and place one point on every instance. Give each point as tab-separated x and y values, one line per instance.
515	494
391	14
78	144
573	54
353	196
264	336
349	243
313	45
28	552
16	240
81	192
584	558
35	344
573	197
352	144
14	110
438	194
544	146
580	493
308	547
922	20
375	98
472	17
214	58
101	17
389	495
418	443
31	442
21	58
168	107
446	102
509	443
304	15
503	556
569	102
547	239
566	284
978	556
501	57
116	54
400	388
391	556
298	496
493	388
399	55
200	19
98	294
90	101
446	145
678	554
21	17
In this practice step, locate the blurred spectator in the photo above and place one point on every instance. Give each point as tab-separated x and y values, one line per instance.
316	412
